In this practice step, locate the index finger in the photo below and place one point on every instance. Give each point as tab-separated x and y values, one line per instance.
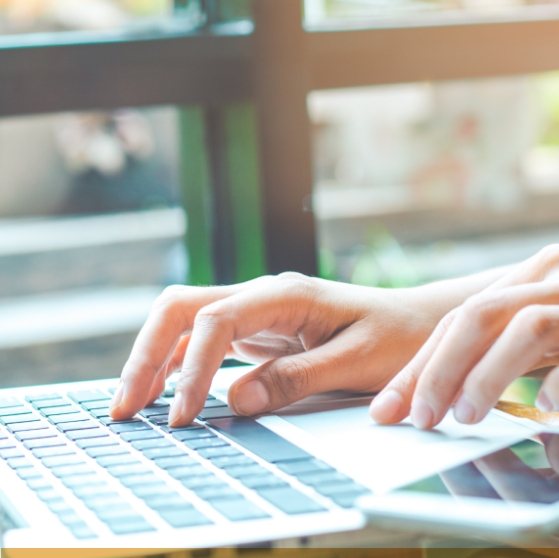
278	307
171	316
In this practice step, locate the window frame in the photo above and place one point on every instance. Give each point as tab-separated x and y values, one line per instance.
264	70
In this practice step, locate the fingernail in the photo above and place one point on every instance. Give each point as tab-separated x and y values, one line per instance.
117	397
421	415
178	410
251	398
464	411
543	403
386	405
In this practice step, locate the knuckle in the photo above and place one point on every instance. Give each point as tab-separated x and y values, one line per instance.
211	316
296	284
169	298
535	321
480	310
549	253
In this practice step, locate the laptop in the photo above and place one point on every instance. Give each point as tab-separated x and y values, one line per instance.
72	477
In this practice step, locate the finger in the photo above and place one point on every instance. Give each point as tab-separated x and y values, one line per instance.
282	306
538	267
531	333
548	397
171	316
477	324
393	403
338	364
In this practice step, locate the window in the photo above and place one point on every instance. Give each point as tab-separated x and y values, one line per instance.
244	79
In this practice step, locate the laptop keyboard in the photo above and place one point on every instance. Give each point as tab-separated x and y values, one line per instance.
140	475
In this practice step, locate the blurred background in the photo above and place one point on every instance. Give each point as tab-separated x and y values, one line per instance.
412	183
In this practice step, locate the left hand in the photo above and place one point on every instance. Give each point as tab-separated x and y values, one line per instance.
480	347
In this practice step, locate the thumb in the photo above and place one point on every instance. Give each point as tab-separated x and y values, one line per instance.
273	385
287	379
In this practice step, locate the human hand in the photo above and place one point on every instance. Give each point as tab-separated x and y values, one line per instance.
505	331
308	335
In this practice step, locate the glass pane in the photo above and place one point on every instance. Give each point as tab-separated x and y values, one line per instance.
320	11
90	231
25	16
422	181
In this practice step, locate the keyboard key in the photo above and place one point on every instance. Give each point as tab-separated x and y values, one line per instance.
323	477
32	425
39	483
42	397
166	501
17	419
130	525
210	453
160	488
139	479
240	471
238	509
14	411
10	452
72	470
157	453
107	450
257	439
219	492
191	433
201	481
210	403
232	460
206	442
60	460
127	470
55	402
152	443
189	471
96	442
289	500
111	460
303	466
52	451
102	405
120	427
59	410
100	413
8	402
216	413
141	435
159	419
110	513
69	417
185	517
83	434
49	495
7	443
28	473
89	492
36	434
86	396
78	425
88	479
19	462
50	442
263	481
171	462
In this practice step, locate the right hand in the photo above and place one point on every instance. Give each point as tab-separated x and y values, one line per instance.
308	335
